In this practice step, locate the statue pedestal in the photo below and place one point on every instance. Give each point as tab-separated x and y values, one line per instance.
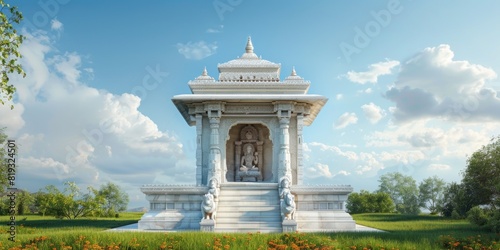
289	226
207	225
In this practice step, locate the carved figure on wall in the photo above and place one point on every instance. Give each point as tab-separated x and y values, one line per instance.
208	207
250	159
288	207
248	155
284	187
213	188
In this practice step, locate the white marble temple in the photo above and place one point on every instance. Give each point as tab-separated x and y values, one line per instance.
249	126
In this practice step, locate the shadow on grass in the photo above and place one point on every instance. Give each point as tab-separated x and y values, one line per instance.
400	217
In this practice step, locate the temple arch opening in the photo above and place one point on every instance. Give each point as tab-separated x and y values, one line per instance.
249	153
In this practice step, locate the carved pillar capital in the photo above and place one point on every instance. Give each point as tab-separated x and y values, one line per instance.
284	121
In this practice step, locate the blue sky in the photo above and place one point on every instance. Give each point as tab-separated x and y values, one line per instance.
412	85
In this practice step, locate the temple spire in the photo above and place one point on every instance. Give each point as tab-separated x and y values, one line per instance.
293	71
249	47
204	73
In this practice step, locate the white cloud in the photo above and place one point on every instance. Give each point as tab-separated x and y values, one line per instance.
198	50
323	169
68	65
436	166
433	84
374	71
373	112
318	170
343	172
433	137
12	119
215	30
323	147
345	120
339	96
347	145
56	25
69	131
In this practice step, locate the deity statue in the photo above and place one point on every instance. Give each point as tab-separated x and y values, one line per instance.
249	160
213	189
284	188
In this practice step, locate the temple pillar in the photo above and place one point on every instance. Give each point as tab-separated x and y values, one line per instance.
284	168
214	156
260	151
237	158
300	162
199	152
284	113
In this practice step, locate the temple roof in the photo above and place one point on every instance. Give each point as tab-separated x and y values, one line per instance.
249	80
249	74
248	60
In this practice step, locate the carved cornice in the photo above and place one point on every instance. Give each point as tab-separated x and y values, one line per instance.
249	108
322	189
173	189
249	87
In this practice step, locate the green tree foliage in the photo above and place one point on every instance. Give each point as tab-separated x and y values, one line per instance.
3	163
476	215
70	203
10	41
481	177
23	202
456	199
403	191
481	186
366	202
431	193
115	200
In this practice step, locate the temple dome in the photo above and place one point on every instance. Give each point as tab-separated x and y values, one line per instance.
204	77
249	67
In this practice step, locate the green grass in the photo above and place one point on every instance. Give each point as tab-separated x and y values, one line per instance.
402	232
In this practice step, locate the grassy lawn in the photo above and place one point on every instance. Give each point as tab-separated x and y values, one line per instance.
402	232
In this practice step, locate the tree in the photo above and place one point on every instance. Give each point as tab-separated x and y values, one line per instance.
455	199
366	202
115	200
10	41
431	191
3	163
24	200
481	177
46	201
402	190
71	203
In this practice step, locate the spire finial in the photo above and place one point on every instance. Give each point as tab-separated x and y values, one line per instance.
205	73
293	71
249	47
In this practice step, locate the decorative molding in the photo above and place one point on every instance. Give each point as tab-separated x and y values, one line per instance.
249	108
321	189
173	189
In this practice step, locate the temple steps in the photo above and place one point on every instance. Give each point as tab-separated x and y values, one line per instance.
248	207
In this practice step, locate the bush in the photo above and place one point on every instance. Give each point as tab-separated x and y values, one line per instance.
455	215
493	223
477	216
